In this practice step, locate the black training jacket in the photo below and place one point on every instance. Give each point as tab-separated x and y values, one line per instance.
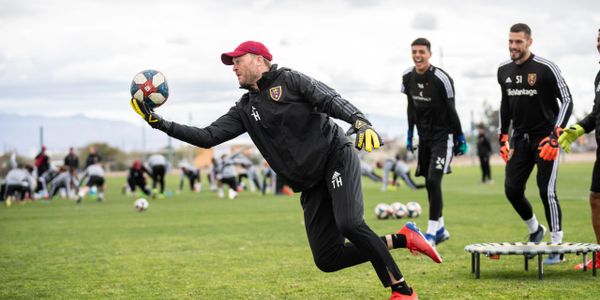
529	94
431	103
288	121
592	121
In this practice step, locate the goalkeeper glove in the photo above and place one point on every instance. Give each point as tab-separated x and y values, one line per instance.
548	147
569	136
504	146
366	137
409	141
460	145
149	115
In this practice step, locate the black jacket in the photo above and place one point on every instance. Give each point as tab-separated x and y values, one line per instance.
288	121
484	148
431	103
529	93
592	121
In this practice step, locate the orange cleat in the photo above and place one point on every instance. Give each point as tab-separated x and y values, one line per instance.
398	296
589	264
416	242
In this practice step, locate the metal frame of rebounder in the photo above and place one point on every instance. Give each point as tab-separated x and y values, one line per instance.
477	249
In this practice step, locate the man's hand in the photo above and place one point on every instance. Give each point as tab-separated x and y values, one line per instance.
548	147
504	147
146	113
569	136
460	145
409	141
366	137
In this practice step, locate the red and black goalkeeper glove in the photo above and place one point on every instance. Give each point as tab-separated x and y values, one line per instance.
548	147
504	146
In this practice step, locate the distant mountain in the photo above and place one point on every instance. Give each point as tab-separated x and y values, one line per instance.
22	133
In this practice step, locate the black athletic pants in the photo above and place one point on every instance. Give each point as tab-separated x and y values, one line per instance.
158	177
518	169
333	211
138	182
484	163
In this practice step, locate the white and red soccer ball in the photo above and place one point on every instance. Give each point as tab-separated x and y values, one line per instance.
150	87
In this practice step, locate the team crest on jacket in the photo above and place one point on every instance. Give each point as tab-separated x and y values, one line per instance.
275	93
531	78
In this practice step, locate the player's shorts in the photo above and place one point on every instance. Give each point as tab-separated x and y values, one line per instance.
435	156
158	170
95	180
596	174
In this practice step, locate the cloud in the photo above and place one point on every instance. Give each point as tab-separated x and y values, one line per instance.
424	20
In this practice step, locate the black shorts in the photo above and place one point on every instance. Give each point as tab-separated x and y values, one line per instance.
95	180
435	156
596	174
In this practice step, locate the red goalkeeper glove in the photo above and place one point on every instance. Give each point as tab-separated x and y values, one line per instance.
504	146
548	147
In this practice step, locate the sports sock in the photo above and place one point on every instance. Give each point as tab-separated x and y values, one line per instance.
442	224
532	224
432	227
402	288
556	237
398	240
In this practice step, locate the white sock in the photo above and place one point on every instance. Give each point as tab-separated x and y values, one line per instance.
556	237
432	227
441	220
532	224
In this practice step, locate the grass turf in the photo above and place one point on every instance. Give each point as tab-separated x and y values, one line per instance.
197	246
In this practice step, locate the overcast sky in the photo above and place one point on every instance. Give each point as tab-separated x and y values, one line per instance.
78	57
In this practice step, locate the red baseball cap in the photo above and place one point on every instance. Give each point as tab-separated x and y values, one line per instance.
246	47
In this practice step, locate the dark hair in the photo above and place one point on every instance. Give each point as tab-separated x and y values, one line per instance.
422	42
521	27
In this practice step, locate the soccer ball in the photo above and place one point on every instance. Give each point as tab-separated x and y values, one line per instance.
414	209
382	211
398	210
141	204
150	87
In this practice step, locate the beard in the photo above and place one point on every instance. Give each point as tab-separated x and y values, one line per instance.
517	56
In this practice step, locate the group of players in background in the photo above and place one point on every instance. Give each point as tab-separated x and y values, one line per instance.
45	180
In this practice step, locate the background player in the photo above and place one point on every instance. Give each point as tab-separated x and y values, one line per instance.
158	168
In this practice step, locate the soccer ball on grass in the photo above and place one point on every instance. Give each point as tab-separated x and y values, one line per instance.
141	204
414	209
399	210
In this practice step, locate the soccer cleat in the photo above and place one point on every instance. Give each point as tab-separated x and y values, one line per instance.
430	238
79	199
554	259
232	194
589	264
416	242
441	235
398	296
538	235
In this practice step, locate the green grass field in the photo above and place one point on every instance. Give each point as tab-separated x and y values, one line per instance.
196	246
